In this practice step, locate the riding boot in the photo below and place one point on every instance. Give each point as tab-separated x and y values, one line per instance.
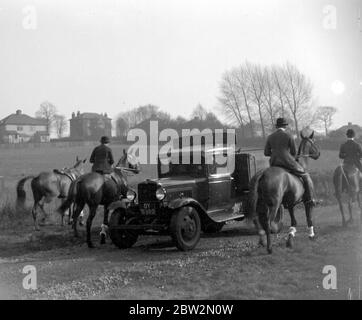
309	194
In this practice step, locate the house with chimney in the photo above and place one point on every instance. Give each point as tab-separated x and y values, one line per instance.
20	128
89	126
341	132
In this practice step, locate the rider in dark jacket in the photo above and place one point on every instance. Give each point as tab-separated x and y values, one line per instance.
281	149
102	157
351	151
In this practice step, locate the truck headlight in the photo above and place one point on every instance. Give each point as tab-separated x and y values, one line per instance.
160	193
131	195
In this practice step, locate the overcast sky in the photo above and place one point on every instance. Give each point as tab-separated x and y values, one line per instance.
109	56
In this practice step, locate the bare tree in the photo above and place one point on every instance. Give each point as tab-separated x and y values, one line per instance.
199	112
122	127
241	77
279	82
229	100
325	116
61	124
257	87
270	96
48	112
297	93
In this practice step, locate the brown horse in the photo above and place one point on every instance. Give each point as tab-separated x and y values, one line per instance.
347	179
275	187
94	189
48	185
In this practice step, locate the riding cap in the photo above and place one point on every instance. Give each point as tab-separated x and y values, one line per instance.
105	140
350	133
281	122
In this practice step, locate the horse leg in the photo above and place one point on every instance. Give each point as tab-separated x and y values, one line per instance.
41	206
360	208
340	204
350	208
81	218
264	221
292	230
77	208
63	214
34	212
261	232
92	213
308	213
104	226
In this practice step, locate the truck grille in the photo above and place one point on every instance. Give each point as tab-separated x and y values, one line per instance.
147	192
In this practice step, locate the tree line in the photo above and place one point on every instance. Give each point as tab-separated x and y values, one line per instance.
251	98
54	120
254	96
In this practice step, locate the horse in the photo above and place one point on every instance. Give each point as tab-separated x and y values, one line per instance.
129	162
274	187
94	189
347	179
48	185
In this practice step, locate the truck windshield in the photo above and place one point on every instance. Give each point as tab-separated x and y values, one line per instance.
171	169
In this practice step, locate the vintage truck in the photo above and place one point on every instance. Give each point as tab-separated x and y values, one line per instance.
185	199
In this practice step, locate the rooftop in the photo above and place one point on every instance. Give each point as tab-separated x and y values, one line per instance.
90	115
20	118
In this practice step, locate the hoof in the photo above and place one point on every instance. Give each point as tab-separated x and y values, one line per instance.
312	238
90	245
290	241
103	239
270	250
262	242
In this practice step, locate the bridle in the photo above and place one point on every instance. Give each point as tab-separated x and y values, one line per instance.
299	155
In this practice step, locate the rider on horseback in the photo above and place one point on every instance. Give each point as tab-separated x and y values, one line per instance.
102	157
351	151
281	149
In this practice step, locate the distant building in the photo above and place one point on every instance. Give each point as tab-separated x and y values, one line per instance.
341	132
19	128
89	126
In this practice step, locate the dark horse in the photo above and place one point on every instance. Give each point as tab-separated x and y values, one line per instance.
347	178
94	189
48	185
275	186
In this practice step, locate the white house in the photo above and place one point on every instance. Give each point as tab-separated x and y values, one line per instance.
19	128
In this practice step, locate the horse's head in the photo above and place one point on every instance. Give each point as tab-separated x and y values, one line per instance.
308	148
79	165
129	161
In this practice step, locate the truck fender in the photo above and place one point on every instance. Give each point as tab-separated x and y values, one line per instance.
118	204
183	202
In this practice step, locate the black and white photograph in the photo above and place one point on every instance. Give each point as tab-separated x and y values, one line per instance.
180	156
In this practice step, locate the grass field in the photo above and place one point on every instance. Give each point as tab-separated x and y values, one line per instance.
224	265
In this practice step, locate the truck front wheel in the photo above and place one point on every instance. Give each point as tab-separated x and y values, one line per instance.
122	238
185	228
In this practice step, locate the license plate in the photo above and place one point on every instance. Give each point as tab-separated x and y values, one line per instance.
148	212
148	208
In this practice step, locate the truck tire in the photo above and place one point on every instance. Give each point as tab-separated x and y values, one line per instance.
185	228
123	239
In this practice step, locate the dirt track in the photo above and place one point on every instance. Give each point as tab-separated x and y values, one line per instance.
228	265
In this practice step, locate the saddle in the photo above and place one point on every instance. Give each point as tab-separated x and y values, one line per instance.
66	173
350	177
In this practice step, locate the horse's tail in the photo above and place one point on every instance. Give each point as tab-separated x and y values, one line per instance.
70	197
20	191
338	180
253	196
